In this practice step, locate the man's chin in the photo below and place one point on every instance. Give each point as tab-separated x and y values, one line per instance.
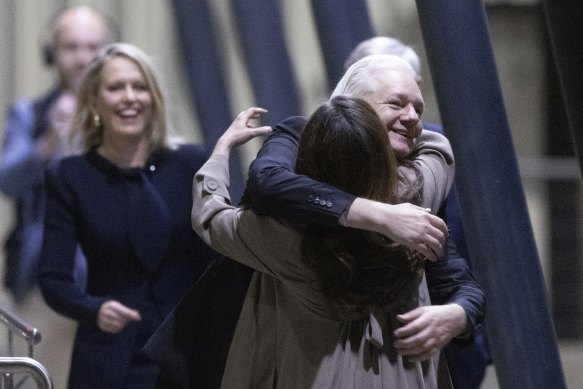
401	151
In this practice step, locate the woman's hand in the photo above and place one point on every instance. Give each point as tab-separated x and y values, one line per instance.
113	316
240	131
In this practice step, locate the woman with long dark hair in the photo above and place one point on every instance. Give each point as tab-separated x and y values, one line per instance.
323	302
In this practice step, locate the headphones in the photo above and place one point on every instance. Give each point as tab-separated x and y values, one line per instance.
47	49
47	54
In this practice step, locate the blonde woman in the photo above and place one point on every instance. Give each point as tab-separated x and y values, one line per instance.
126	200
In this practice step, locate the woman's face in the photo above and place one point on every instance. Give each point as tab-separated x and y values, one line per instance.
124	101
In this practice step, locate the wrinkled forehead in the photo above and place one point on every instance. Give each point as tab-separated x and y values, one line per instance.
80	25
389	80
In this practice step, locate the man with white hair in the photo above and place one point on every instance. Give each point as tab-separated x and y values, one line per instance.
467	361
388	84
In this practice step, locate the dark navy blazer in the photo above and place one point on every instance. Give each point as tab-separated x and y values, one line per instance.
135	230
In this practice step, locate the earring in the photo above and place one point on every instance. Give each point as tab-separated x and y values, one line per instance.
96	120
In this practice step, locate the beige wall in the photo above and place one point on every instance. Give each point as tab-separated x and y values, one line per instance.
149	24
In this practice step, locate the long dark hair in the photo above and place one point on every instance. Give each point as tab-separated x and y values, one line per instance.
345	144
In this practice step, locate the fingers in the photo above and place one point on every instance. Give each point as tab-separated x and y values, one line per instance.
416	343
409	225
433	242
250	113
257	131
126	313
410	325
431	246
440	225
240	131
426	330
114	316
426	251
431	231
417	347
435	247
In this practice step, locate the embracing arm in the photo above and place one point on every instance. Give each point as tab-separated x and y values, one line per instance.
275	189
236	233
213	217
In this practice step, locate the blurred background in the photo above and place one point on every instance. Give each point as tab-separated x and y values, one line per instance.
549	171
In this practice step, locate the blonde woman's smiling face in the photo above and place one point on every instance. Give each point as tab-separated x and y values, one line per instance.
124	101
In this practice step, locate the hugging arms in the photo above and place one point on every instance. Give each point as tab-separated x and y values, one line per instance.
274	189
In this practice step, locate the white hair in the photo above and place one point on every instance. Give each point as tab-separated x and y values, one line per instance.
356	80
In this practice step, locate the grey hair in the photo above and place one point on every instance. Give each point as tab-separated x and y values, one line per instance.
385	45
356	80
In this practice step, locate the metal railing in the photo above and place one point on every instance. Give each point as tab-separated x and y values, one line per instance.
27	366
9	366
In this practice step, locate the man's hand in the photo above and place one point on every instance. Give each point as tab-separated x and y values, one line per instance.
113	316
54	138
61	113
428	329
406	224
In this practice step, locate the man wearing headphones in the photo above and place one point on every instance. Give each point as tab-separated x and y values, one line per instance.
35	133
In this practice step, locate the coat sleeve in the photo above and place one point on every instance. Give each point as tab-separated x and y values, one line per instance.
274	189
56	269
240	234
21	168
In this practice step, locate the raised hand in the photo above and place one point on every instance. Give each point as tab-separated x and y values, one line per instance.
241	131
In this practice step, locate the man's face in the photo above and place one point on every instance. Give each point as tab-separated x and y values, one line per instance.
80	34
396	98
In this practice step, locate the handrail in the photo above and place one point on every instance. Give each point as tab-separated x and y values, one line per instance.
30	334
29	366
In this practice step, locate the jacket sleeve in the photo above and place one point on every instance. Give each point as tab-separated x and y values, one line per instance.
56	269
241	234
21	168
274	189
